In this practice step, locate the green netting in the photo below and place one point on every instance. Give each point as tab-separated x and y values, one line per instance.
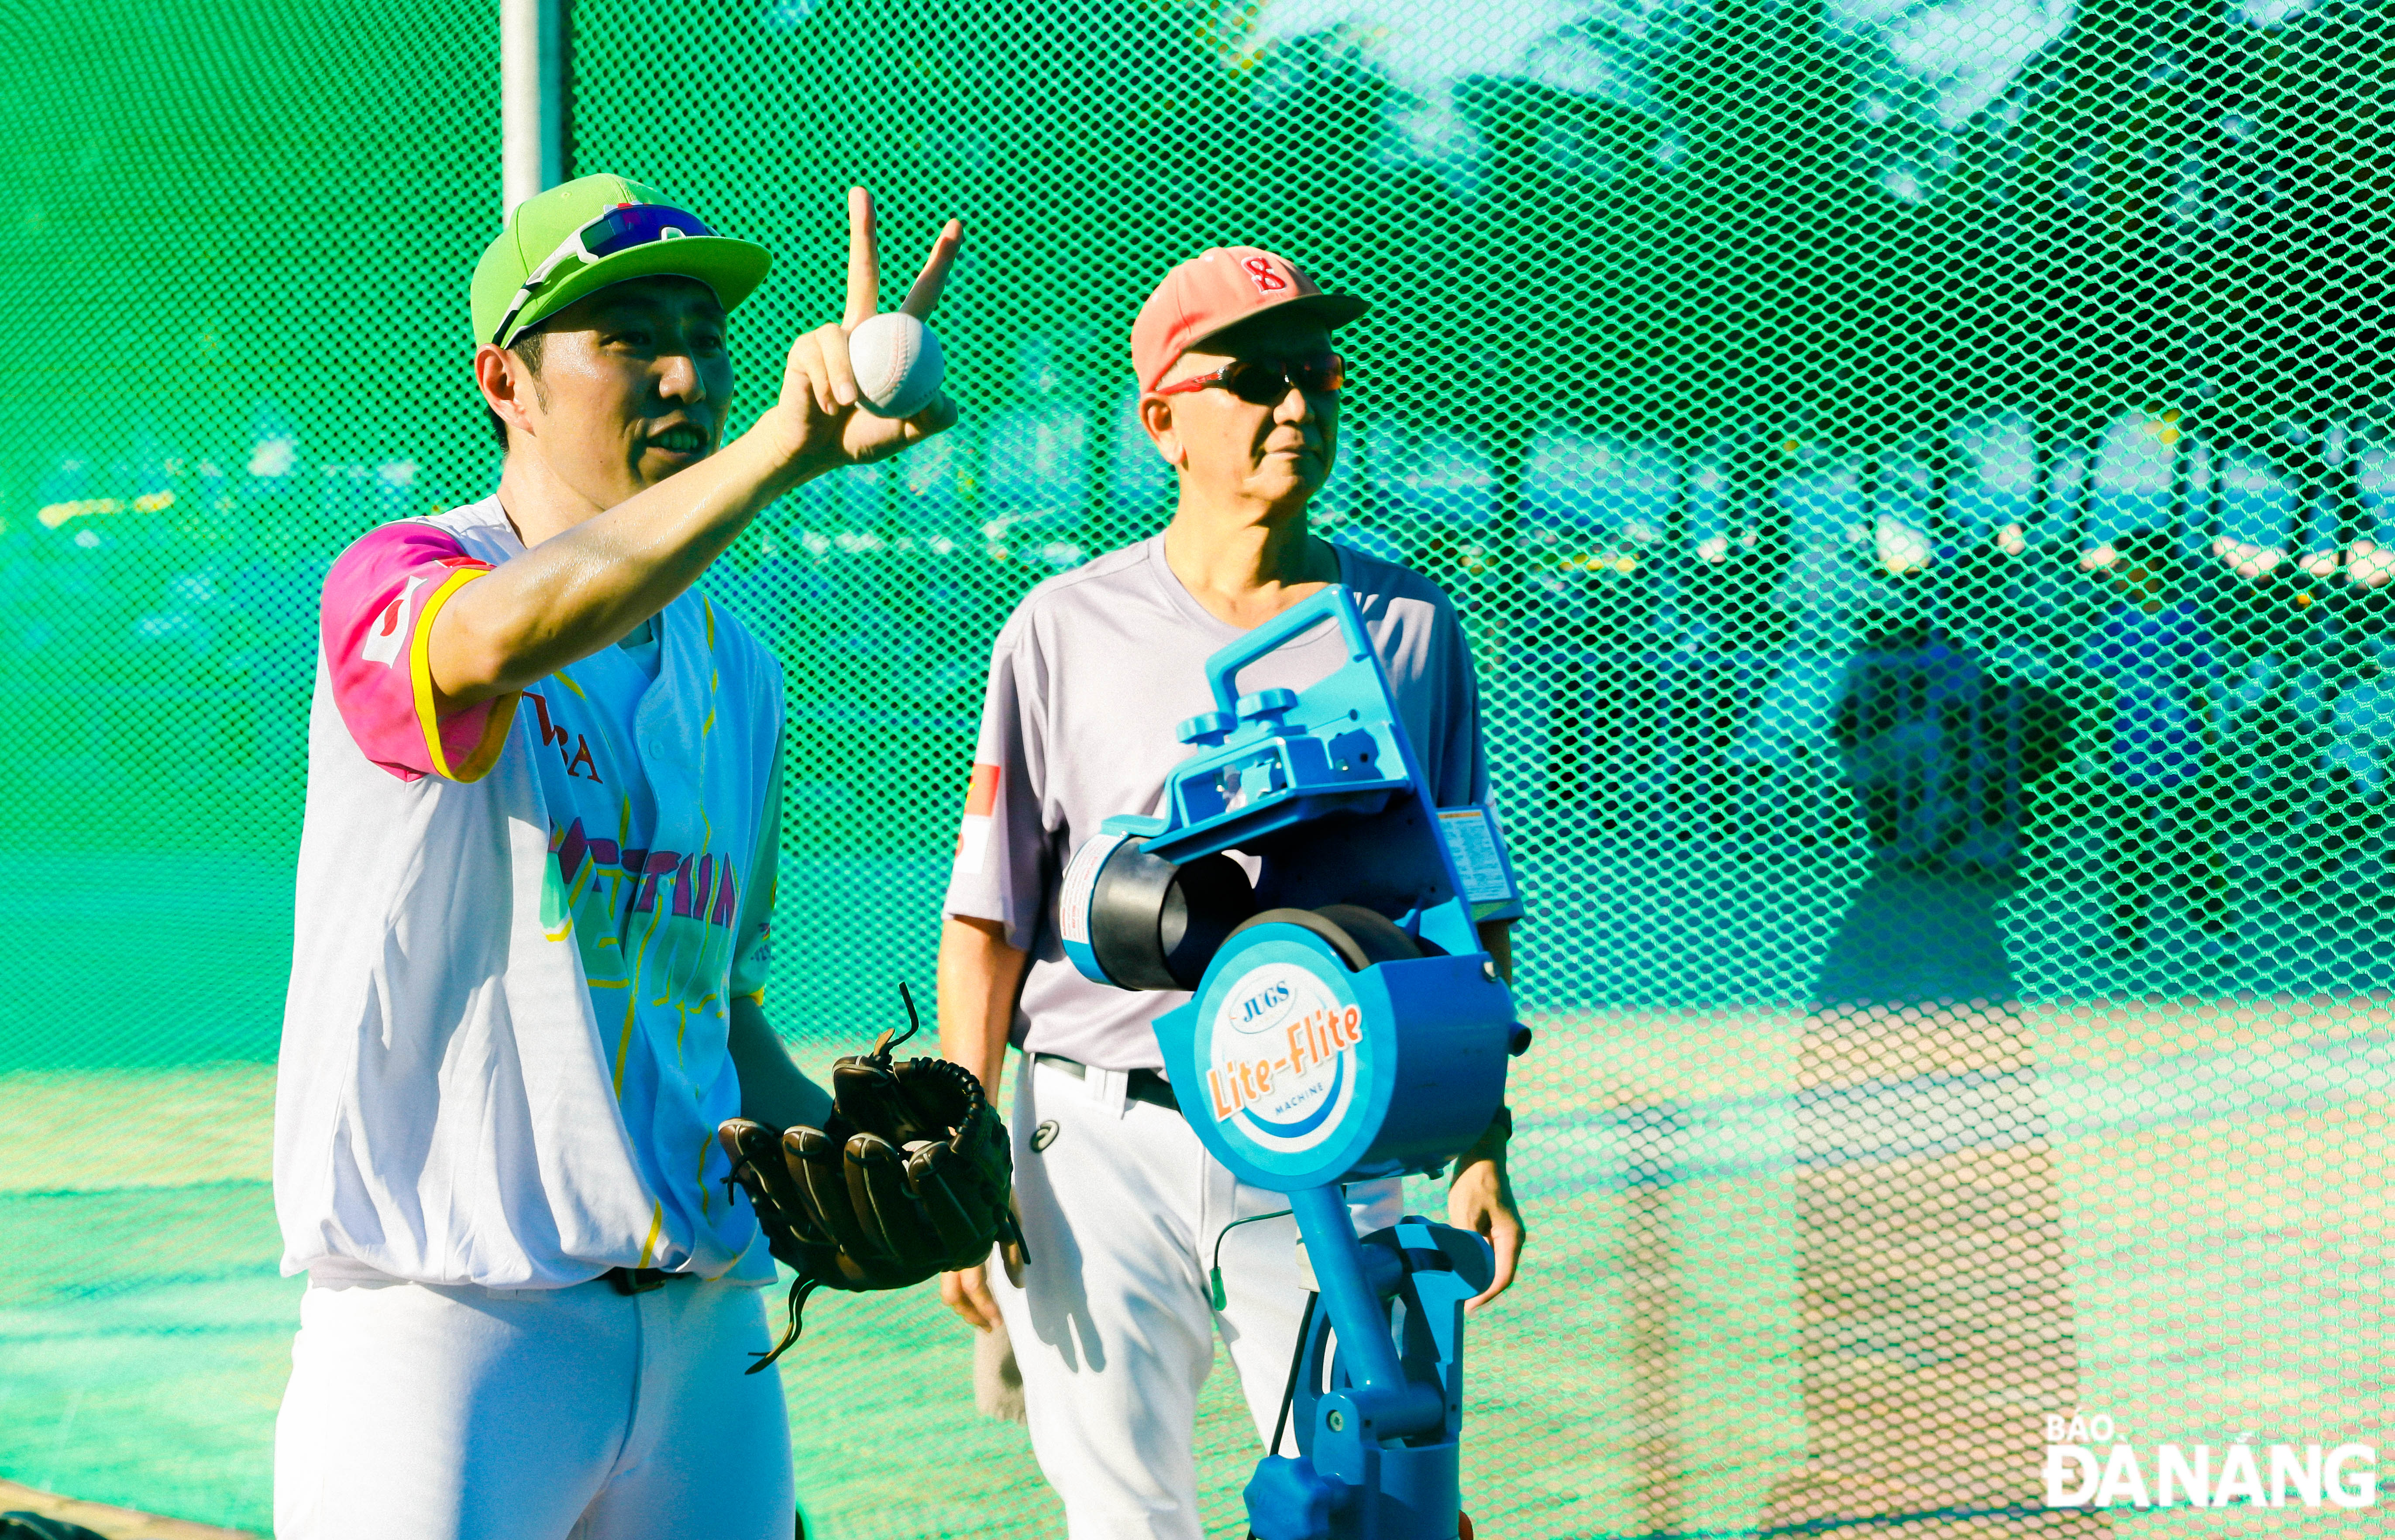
1785	392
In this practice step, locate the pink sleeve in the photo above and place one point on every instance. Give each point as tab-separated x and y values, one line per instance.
380	601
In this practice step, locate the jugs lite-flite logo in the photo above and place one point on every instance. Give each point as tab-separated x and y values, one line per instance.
1281	1057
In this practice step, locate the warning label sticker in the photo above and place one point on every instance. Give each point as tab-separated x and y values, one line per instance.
1080	882
1471	838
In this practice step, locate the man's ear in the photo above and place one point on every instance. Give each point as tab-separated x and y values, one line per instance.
507	386
1156	416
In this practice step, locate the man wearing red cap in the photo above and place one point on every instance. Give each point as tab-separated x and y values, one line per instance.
1124	1213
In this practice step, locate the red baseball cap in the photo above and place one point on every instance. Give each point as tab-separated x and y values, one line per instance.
1215	290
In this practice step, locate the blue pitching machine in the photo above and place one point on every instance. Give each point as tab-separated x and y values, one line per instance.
1346	1025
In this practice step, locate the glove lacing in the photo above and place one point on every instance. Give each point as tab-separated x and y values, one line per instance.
801	1287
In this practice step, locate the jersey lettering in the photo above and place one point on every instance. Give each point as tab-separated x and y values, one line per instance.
578	763
696	887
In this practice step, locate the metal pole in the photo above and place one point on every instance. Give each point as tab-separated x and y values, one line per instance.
531	98
1651	1276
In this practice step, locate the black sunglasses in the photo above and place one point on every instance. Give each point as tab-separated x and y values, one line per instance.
1263	382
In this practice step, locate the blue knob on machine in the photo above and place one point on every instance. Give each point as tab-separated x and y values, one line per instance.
1270	704
1208	728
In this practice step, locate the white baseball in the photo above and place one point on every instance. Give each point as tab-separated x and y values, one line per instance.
897	362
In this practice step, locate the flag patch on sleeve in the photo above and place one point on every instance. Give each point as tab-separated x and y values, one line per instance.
981	806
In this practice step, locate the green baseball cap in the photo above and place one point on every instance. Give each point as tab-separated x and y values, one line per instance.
545	230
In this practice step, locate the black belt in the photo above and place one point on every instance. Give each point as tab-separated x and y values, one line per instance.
1145	1084
640	1280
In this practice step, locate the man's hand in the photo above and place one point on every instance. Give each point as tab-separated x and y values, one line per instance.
967	1293
817	420
1480	1199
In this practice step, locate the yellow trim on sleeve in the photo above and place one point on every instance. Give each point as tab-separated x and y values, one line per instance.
755	997
420	671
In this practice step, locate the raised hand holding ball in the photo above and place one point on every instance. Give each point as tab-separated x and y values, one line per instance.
898	364
866	385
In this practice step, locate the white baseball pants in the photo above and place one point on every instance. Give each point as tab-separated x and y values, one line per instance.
1114	1325
418	1412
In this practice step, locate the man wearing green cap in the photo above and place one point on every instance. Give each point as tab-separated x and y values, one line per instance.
535	890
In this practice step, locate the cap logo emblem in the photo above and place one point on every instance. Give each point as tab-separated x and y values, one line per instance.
1260	273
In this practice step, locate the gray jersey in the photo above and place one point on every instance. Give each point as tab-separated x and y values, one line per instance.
1087	682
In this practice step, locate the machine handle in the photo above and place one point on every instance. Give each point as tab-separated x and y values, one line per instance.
1223	668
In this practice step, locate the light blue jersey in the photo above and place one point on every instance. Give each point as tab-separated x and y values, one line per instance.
520	931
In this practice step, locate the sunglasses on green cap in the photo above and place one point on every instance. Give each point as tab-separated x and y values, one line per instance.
625	226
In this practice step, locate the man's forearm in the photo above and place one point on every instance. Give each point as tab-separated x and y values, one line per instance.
773	1090
980	979
586	589
1497	940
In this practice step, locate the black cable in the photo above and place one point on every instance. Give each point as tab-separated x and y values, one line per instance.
1296	1358
1214	1273
1296	1361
